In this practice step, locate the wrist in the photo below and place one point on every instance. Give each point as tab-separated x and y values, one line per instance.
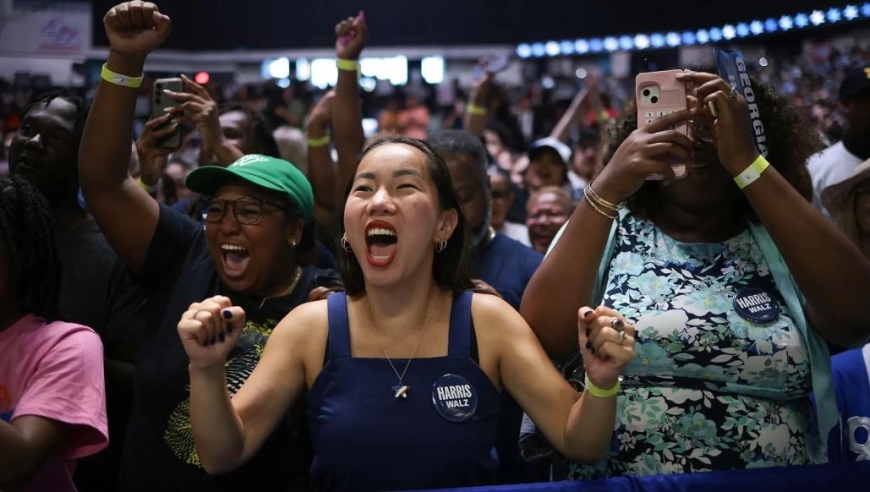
124	64
208	371
608	190
603	389
315	130
739	164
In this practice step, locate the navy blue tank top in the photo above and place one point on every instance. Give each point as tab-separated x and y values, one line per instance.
366	439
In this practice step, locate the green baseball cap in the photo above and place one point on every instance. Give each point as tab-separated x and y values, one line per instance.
259	170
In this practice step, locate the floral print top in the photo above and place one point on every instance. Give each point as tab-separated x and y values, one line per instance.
707	389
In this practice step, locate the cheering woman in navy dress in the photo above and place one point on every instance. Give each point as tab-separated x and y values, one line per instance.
403	372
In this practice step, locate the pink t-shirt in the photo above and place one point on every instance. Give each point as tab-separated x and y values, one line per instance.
55	370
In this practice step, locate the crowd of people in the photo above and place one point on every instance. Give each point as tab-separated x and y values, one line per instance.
279	303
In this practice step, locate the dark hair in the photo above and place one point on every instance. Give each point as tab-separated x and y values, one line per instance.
262	141
80	105
451	268
27	234
453	142
790	143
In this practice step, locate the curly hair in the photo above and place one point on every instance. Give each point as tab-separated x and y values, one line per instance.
27	235
790	143
262	140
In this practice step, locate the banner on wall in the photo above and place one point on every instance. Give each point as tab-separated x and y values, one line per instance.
51	31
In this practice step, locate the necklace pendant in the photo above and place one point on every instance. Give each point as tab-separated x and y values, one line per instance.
401	391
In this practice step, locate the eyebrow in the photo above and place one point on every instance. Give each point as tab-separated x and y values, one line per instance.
396	174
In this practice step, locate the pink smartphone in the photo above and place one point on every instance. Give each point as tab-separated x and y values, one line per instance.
659	94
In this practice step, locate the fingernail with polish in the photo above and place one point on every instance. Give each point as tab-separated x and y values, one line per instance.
589	346
592	350
229	328
587	313
221	337
588	332
227	313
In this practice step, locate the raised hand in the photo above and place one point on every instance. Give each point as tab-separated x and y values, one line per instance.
198	107
152	157
321	115
605	352
645	153
209	330
732	124
351	36
135	29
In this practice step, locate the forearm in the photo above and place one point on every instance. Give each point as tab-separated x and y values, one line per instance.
348	131
321	174
565	280
104	154
475	124
832	273
562	128
590	428
18	463
227	153
217	430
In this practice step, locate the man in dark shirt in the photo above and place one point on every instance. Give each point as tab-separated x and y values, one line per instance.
96	289
505	264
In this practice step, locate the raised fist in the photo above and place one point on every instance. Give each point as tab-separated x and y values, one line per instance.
351	36
136	28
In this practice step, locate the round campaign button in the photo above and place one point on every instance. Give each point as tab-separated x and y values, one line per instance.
454	398
756	305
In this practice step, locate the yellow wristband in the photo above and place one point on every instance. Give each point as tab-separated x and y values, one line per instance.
475	110
602	393
751	173
348	65
146	187
119	79
319	142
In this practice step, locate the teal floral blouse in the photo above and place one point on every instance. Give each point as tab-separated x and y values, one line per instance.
707	389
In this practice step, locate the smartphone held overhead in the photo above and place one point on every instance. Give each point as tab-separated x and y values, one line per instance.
161	102
659	94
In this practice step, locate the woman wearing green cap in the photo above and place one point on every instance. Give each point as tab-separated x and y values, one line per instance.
247	251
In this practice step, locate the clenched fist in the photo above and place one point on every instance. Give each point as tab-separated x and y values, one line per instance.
135	29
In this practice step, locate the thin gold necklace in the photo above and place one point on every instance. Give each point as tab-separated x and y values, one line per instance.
296	279
401	389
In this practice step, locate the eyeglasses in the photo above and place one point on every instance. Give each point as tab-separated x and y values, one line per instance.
246	210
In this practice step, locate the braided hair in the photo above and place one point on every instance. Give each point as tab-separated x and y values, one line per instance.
27	235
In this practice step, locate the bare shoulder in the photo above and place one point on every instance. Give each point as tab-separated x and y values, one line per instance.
492	314
304	325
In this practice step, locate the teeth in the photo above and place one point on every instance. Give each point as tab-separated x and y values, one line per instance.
232	247
375	231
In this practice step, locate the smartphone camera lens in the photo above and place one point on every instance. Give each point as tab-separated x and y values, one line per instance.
159	101
646	93
159	87
654	99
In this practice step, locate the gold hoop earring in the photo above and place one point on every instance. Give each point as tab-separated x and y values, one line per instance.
344	244
440	245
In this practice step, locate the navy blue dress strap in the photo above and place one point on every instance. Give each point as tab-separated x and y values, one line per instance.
338	345
459	343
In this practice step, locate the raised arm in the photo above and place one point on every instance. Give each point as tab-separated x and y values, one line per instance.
228	432
562	130
830	270
321	168
351	36
565	280
476	117
580	426
125	212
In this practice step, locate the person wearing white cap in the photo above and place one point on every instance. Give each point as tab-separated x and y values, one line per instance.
849	203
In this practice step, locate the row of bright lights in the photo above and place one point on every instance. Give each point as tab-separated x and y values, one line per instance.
688	38
322	72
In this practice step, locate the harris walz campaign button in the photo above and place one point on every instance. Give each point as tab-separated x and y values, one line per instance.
756	305
454	398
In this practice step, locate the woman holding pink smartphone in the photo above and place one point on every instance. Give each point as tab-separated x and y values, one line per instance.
731	277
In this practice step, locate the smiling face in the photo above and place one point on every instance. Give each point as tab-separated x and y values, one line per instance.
546	168
393	217
548	212
254	259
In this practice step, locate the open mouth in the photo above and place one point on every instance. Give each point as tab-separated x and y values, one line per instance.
235	260
381	243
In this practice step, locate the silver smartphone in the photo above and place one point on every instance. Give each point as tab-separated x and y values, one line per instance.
160	101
